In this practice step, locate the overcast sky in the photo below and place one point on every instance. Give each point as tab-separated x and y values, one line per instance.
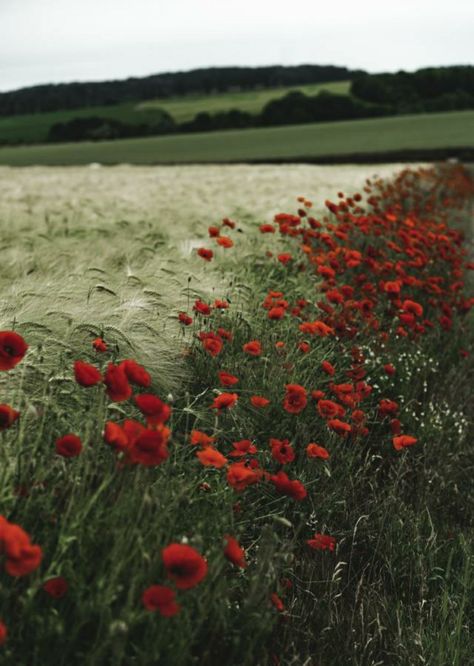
43	41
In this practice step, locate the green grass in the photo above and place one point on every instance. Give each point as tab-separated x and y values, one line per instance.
435	130
33	128
185	108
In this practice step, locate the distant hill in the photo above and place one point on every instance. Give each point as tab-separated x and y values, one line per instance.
66	96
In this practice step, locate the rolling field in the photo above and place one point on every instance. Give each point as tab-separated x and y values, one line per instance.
33	128
294	142
236	416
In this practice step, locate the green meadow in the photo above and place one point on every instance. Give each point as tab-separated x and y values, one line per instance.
298	142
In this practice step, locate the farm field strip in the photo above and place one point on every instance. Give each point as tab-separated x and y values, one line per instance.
455	129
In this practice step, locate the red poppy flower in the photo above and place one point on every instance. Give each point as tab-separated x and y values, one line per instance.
253	348
234	552
184	565
267	229
211	457
161	598
185	319
282	451
328	368
56	587
277	602
259	401
116	381
22	557
214	232
198	438
225	241
339	427
293	488
8	416
295	399
224	401
201	308
12	349
228	223
304	347
401	441
115	436
387	407
316	328
154	409
212	343
68	446
276	313
224	334
99	345
329	409
315	451
205	254
243	448
86	374
136	373
239	476
284	258
226	379
149	448
220	304
389	369
413	307
322	542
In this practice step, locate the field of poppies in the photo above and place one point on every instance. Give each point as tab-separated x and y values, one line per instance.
264	457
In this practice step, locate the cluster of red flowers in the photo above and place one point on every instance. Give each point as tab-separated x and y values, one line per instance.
221	240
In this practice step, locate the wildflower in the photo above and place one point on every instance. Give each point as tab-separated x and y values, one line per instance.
115	436
282	451
212	343
99	345
136	373
339	427
8	416
201	308
68	446
253	348
226	379
276	313
234	552
184	565
12	349
329	409
401	441
3	633
220	304
198	438
210	457
259	401
293	488
225	241
277	602
228	223
316	328
322	542
224	401
284	258
185	319
86	375
243	448
328	368
22	557
56	587
387	407
389	369
315	451
267	229
239	476
161	598
224	334
154	409
205	254
116	381
295	399
149	447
